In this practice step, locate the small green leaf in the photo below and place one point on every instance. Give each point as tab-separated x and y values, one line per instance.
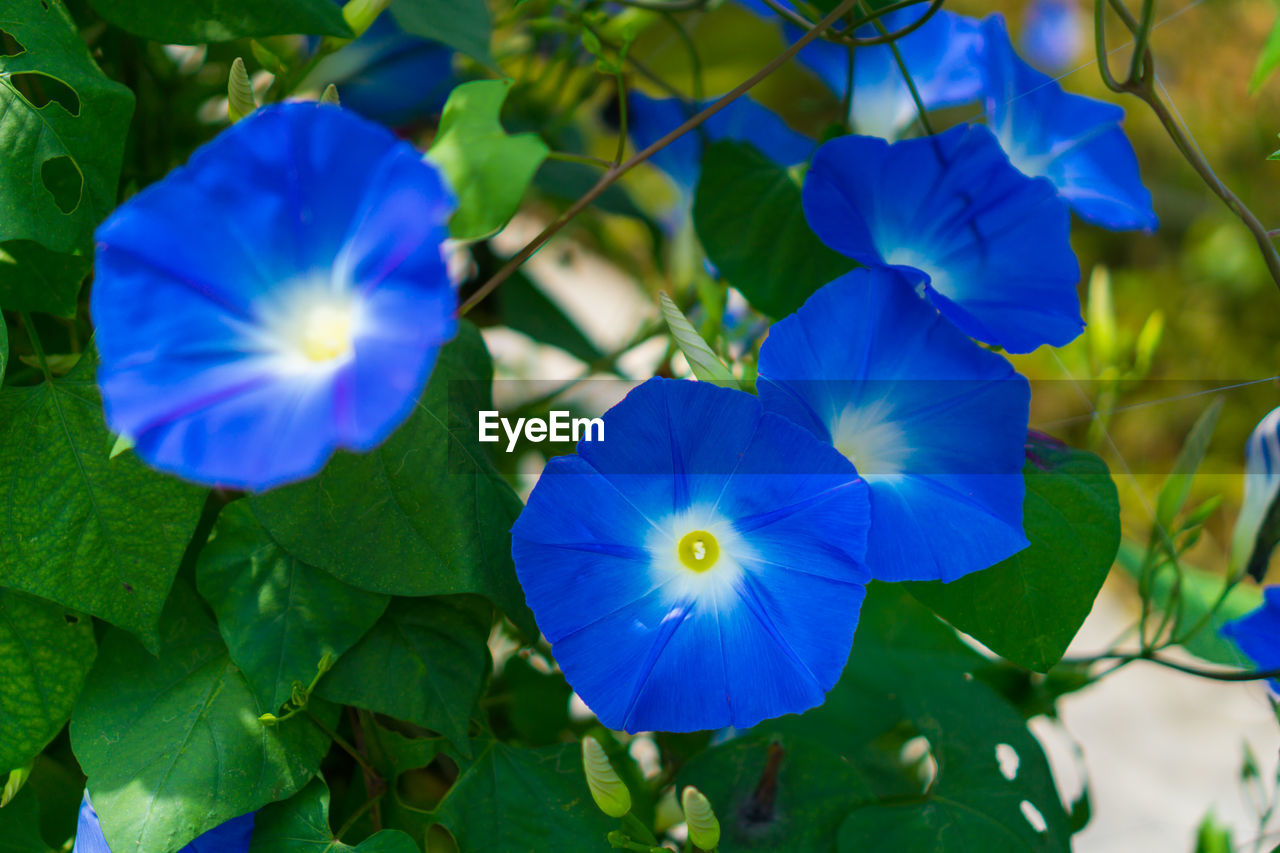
702	359
199	21
172	744
100	535
45	654
1173	494
300	824
20	825
62	127
1267	60
278	615
423	514
488	169
1029	607
463	25
749	218
425	661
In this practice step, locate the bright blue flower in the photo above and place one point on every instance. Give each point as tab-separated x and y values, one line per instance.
987	245
279	297
388	75
935	424
1261	492
700	567
942	56
743	120
231	837
1053	34
1258	633
1074	141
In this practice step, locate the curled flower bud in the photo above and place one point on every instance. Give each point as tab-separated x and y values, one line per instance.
704	829
609	791
240	98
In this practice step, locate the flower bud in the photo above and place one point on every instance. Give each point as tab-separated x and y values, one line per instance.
360	14
609	792
240	98
704	829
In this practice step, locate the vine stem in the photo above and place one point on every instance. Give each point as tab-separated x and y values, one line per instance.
612	175
1213	674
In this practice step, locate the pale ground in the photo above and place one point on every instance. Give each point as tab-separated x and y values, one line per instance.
1161	748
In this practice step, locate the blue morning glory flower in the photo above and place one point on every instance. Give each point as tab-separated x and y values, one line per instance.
231	837
1261	491
282	295
743	120
700	567
390	76
1258	633
1074	141
942	56
935	424
1053	34
988	246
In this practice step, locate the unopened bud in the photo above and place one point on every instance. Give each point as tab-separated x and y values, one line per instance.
704	829
609	792
330	95
240	99
360	14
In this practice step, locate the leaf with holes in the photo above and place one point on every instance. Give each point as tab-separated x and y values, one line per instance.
199	21
748	216
45	654
423	514
62	130
488	169
278	615
100	535
300	824
437	649
1029	607
172	745
461	24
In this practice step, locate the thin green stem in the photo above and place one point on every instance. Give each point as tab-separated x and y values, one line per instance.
695	60
1151	657
622	119
344	746
1140	39
34	337
612	175
587	159
921	112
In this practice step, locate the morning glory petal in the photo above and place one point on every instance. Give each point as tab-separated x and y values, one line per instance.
677	566
1053	34
988	246
743	120
942	57
1257	634
282	295
1074	141
231	837
933	422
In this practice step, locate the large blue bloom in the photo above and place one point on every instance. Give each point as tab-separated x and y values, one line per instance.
1053	34
934	423
390	76
1258	633
1074	141
231	837
987	245
701	567
282	295
743	120
942	57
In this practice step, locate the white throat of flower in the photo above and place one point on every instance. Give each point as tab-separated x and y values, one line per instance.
868	437
696	554
310	328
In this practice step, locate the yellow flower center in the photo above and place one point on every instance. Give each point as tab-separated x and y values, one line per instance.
326	333
698	550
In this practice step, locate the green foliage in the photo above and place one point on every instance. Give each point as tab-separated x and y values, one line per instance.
278	615
32	278
1177	486
20	825
703	361
425	513
45	654
54	443
1029	607
62	129
1267	60
527	309
301	825
461	24
198	21
172	744
488	169
748	215
437	649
